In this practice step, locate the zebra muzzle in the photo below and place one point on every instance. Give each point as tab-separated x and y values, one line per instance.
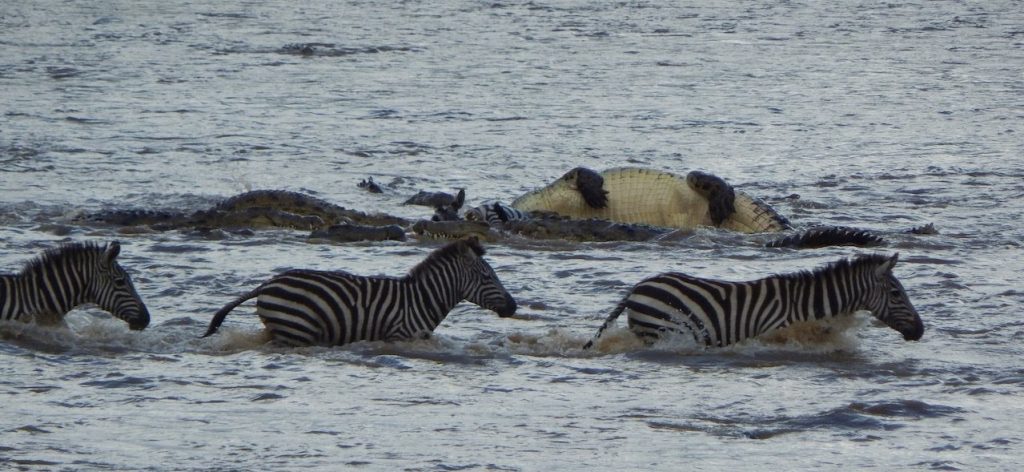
139	322
506	309
913	333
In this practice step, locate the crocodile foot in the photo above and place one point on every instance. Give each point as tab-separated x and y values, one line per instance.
719	194
590	184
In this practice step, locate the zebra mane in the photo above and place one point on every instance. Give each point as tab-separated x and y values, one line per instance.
842	265
54	256
448	251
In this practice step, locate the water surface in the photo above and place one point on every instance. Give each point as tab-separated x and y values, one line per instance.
872	114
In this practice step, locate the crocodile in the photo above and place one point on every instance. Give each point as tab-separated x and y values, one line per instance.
542	226
455	229
303	204
553	226
824	236
496	218
435	199
646	196
550	226
257	208
350	232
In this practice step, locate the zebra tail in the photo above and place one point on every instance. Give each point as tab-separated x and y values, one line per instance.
608	322
218	318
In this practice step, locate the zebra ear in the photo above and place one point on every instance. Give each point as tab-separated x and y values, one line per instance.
474	244
886	267
460	199
113	249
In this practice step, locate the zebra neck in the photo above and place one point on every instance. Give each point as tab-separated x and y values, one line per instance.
36	293
822	296
434	293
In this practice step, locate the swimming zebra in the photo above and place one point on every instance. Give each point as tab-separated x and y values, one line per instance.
68	276
496	214
719	313
445	209
307	307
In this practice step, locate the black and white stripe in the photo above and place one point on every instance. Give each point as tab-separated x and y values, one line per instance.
71	275
308	307
496	214
719	313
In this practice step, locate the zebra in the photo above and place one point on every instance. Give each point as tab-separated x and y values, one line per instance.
496	214
311	307
719	313
51	285
445	209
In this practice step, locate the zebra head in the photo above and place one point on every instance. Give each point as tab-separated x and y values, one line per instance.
890	304
481	286
113	291
450	211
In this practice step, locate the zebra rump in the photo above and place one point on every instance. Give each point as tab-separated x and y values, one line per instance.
307	307
719	313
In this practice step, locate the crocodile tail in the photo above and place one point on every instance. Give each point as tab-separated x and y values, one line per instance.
218	318
825	236
607	323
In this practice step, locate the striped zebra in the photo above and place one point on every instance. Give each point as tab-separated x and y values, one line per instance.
447	210
68	276
719	313
309	307
496	214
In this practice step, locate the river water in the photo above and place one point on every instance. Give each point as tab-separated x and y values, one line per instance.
882	115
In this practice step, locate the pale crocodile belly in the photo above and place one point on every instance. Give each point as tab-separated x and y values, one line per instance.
754	216
634	196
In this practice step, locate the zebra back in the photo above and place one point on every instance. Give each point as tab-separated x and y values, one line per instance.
310	307
68	276
719	313
306	307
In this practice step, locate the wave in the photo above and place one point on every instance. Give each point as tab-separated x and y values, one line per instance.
89	332
852	419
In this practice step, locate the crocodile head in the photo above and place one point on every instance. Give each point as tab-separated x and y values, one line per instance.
454	229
